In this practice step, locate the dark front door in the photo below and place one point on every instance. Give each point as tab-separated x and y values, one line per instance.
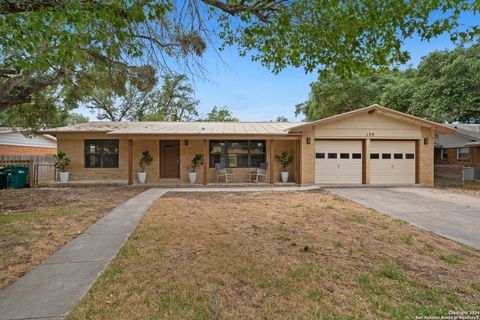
170	159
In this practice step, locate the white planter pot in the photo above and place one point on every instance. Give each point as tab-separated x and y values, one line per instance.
192	176
142	176
284	176
64	176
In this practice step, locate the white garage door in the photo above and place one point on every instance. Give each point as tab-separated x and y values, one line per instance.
392	162
338	161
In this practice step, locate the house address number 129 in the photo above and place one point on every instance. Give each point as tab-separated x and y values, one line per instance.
370	134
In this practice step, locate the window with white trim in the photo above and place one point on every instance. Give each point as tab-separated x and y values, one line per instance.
463	153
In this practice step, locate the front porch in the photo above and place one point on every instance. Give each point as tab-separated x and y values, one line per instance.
172	158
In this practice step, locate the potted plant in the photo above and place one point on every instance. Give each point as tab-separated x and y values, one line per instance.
145	160
197	161
61	161
285	159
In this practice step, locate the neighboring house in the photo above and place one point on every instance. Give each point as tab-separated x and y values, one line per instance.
373	145
15	143
459	148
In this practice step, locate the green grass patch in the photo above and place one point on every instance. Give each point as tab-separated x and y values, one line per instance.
328	206
429	247
357	218
402	222
338	243
364	281
408	239
451	258
316	294
391	272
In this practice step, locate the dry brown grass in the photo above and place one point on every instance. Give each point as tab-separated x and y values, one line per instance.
300	255
470	187
36	222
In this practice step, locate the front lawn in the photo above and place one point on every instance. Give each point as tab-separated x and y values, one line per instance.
36	222
282	255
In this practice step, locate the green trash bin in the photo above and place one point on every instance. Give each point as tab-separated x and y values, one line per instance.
16	177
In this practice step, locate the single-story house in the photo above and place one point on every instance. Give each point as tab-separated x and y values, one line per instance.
13	142
372	145
459	148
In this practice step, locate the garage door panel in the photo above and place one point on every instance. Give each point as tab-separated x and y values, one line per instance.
338	170
392	170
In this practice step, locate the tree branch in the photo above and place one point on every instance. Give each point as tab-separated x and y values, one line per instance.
25	95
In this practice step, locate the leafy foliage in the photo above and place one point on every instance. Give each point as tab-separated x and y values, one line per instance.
145	160
197	162
173	102
444	88
285	159
76	47
61	160
220	114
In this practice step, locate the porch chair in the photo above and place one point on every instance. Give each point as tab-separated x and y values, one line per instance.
223	172
260	171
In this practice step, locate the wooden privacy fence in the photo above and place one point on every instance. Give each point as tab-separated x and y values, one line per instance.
41	167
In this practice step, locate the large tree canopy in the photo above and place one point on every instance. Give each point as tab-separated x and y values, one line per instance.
444	88
74	46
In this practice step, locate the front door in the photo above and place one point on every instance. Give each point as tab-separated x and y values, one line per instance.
170	159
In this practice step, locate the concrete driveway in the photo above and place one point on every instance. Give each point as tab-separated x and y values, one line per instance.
450	214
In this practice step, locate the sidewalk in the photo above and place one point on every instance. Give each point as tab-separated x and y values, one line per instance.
50	290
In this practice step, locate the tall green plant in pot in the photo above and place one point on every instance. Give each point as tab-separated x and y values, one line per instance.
284	159
144	161
61	162
196	163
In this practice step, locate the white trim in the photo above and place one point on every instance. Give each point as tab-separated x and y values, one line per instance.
458	153
441	154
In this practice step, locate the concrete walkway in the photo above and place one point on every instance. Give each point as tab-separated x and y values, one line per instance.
53	288
453	215
50	290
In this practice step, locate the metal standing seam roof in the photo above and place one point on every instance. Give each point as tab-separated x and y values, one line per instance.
181	128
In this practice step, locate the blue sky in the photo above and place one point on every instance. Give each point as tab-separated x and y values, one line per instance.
253	93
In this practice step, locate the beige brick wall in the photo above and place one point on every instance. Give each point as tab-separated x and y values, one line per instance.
426	157
186	155
279	147
308	157
73	145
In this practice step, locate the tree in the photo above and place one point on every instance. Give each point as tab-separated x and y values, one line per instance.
174	101
54	43
131	105
282	119
33	119
220	114
447	86
332	95
443	88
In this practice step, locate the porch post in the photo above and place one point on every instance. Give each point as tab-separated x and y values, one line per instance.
206	162
297	161
130	161
272	163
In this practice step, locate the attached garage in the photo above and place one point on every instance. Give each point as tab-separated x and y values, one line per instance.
372	145
338	161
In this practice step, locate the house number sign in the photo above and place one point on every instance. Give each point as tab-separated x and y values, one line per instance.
370	134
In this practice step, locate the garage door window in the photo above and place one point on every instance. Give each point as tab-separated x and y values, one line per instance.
320	155
344	155
356	156
398	156
332	156
386	156
374	156
409	156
